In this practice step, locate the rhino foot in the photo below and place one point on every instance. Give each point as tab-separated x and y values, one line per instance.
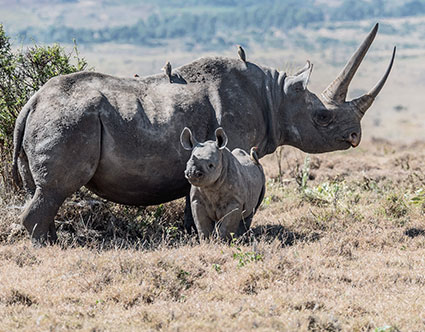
38	217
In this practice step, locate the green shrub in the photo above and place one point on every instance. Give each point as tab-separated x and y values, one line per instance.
22	73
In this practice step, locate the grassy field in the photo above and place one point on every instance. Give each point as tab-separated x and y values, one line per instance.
338	244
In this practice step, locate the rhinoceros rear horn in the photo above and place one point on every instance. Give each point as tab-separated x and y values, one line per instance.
187	140
336	92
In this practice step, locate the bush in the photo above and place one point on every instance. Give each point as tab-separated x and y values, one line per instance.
22	73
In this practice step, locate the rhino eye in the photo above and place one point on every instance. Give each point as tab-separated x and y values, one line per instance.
323	117
210	166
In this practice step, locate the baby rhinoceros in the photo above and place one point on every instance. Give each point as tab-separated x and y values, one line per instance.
227	187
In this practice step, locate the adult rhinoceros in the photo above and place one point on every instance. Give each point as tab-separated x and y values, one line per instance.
119	137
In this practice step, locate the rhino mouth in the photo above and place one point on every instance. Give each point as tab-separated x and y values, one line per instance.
194	176
195	182
349	142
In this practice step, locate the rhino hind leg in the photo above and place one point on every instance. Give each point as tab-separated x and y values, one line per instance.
38	216
68	164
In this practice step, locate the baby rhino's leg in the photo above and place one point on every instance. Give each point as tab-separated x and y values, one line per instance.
204	224
228	225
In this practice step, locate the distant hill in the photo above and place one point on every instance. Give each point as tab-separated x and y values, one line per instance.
212	25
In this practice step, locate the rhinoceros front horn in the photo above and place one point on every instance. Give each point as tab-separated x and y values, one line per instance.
336	92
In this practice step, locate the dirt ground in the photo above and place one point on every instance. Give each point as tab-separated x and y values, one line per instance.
337	245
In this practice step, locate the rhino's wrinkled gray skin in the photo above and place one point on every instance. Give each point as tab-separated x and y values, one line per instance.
119	137
227	187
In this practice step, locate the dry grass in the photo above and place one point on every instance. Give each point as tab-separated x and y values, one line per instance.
338	245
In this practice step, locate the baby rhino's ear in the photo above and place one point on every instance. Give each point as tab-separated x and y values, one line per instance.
220	138
187	140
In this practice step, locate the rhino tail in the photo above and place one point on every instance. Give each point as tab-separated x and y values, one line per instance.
260	199
18	136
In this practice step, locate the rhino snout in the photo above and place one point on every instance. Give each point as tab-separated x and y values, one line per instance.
353	138
192	173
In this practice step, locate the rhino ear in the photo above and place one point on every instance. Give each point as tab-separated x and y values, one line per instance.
298	83
303	69
220	138
187	140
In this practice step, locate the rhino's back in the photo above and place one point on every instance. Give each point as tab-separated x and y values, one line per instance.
154	110
247	162
132	111
242	156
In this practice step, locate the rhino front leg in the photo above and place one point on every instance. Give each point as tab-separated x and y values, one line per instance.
228	226
204	224
244	225
38	216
